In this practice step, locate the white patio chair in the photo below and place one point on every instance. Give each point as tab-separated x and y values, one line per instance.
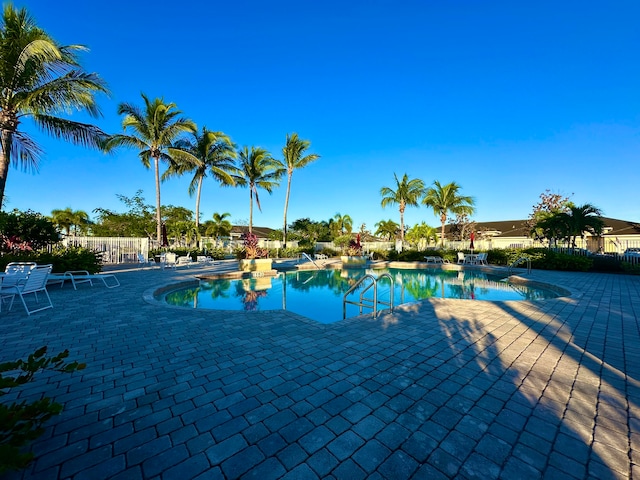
169	260
34	283
143	261
461	258
184	260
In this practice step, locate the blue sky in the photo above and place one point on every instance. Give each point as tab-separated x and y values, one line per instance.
506	98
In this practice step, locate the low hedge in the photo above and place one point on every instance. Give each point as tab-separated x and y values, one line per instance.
62	259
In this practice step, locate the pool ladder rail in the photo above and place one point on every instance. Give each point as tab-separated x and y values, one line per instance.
518	262
367	302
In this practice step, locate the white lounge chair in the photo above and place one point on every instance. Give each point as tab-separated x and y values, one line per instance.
34	283
184	260
83	276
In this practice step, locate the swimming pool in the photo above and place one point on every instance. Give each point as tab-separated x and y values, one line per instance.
318	294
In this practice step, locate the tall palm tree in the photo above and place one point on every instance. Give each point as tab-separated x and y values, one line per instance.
294	158
206	151
258	170
445	199
340	224
407	193
40	79
154	129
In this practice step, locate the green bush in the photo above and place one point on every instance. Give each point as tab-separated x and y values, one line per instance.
20	423
62	259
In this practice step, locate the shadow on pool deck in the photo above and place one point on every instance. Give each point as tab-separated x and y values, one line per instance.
439	389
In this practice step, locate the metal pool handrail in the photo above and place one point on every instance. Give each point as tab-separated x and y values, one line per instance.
367	302
518	262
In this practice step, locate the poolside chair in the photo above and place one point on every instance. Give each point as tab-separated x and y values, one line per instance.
481	259
184	260
83	276
168	260
143	261
34	283
461	258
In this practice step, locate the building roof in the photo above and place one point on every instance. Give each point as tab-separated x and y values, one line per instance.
260	232
518	228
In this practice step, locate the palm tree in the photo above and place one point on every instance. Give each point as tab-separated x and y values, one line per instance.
40	79
154	130
258	170
206	152
407	193
220	227
444	200
340	224
63	219
67	218
573	223
387	229
293	152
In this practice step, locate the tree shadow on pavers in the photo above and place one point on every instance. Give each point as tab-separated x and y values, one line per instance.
488	412
590	375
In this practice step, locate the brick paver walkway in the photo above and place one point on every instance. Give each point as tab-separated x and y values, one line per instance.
441	389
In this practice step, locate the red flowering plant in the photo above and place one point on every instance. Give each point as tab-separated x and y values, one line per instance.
355	248
14	244
251	248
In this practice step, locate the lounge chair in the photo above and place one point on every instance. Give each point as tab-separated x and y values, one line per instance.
34	283
83	276
481	259
433	259
184	260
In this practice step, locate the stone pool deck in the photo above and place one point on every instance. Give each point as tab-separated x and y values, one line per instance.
440	389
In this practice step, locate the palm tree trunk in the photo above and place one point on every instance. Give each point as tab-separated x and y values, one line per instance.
5	160
250	208
198	203
402	226
286	207
443	219
158	212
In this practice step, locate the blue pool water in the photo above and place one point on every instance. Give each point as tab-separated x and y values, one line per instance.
318	294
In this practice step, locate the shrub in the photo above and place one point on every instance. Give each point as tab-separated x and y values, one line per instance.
20	423
62	259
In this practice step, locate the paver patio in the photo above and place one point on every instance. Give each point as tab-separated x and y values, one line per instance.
440	389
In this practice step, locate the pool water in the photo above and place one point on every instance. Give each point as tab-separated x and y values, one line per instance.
318	294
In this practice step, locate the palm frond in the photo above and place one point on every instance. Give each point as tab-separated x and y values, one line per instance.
75	132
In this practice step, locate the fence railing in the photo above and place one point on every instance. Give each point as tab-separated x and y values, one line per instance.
113	249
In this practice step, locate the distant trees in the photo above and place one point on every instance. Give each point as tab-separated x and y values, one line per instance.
387	229
67	218
340	225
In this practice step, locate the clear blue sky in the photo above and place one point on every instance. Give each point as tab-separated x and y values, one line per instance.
506	98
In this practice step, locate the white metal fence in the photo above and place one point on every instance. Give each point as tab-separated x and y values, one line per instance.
113	249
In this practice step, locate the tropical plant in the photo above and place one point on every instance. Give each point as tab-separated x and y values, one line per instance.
153	129
294	158
67	218
572	224
422	234
31	227
387	229
549	205
40	79
206	151
220	226
340	225
445	199
258	169
22	422
407	193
